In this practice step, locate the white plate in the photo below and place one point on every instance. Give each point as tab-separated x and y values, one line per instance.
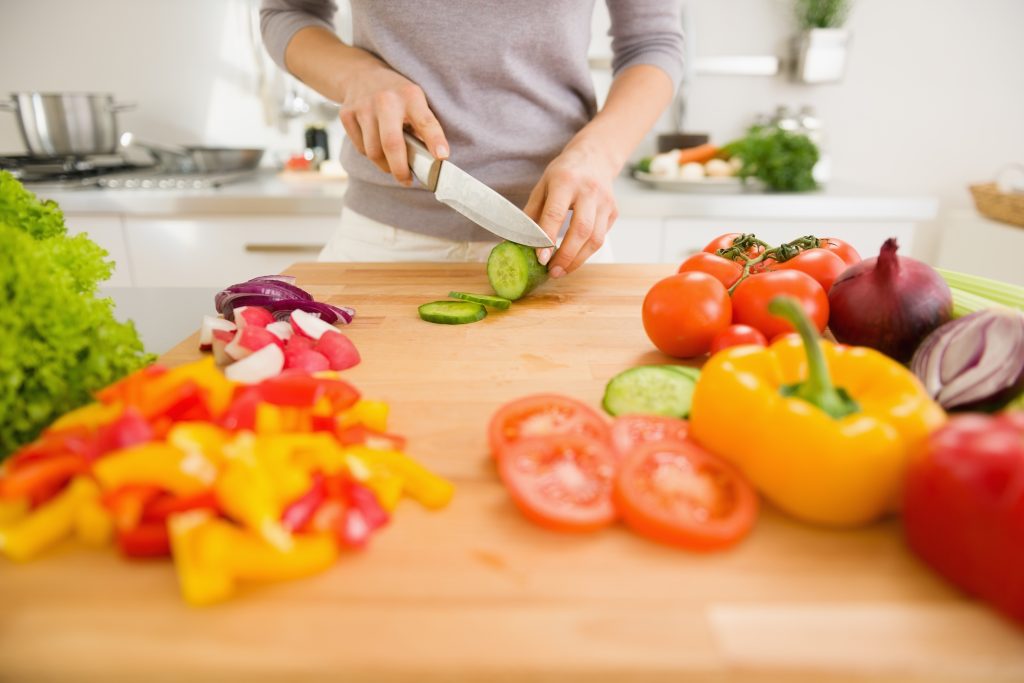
704	185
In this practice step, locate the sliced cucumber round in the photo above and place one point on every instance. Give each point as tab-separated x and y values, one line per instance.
650	390
513	270
452	312
485	299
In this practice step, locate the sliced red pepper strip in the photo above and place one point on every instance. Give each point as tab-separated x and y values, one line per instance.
34	477
78	440
241	414
365	500
127	503
129	429
300	512
146	540
162	507
328	516
360	434
130	390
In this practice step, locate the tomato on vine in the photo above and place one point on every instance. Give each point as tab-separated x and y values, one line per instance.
841	249
751	297
725	271
821	264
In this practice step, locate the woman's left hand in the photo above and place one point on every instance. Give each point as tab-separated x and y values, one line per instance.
580	178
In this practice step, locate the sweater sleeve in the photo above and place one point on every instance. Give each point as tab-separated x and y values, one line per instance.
646	32
282	19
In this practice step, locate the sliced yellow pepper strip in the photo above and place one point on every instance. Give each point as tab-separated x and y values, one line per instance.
91	416
248	493
54	521
12	510
156	463
206	439
94	525
200	558
420	483
371	414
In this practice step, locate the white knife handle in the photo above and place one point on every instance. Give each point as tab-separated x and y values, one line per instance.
423	164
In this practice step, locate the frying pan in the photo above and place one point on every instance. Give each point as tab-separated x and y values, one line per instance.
196	159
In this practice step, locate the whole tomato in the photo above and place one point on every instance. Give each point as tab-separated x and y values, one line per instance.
841	249
725	241
683	312
821	264
737	335
725	271
750	300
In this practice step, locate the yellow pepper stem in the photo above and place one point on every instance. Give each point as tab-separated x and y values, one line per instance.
818	389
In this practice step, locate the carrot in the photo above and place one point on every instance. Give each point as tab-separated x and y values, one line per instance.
700	154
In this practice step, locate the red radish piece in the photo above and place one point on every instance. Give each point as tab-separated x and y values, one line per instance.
306	360
260	365
251	339
221	338
255	316
297	341
339	350
281	329
309	325
211	323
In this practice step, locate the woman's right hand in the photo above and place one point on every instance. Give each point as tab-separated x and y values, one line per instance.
378	104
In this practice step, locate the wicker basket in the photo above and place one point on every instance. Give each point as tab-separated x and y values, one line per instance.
1007	207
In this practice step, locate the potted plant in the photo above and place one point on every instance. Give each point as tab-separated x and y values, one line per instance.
820	48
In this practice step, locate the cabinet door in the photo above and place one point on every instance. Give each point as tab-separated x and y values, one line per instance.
974	244
636	240
107	231
684	237
214	251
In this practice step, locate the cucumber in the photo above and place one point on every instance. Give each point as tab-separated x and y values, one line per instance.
514	271
650	390
452	312
485	299
691	372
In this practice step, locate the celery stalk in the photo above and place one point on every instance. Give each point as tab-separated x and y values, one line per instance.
994	291
965	303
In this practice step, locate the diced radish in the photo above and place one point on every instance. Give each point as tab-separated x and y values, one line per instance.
258	366
306	360
282	329
297	341
221	338
211	323
309	325
254	316
341	353
251	339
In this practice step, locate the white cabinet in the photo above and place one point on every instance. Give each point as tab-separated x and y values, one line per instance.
214	251
106	230
974	244
684	237
636	240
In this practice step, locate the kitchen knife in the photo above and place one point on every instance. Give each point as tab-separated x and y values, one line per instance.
474	200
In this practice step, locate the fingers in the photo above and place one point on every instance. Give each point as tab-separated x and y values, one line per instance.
581	229
603	222
534	205
371	139
390	119
352	129
426	126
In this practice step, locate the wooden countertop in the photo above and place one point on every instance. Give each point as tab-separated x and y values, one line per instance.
477	593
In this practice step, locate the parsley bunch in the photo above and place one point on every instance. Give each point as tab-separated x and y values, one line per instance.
782	160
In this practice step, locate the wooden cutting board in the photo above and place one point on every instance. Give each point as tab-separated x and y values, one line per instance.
477	593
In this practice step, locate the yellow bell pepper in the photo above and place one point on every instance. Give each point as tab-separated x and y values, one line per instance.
371	414
94	525
247	492
27	537
90	416
827	453
420	483
211	555
13	510
159	464
202	438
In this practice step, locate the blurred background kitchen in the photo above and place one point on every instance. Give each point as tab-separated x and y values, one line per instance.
910	103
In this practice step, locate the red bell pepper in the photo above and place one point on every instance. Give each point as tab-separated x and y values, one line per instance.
146	540
165	505
39	479
129	429
300	511
131	389
127	503
361	435
241	413
964	507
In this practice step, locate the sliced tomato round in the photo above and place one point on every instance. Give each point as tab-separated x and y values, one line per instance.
629	431
562	481
679	494
544	415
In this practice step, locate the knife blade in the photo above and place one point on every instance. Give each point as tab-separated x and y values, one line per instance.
473	199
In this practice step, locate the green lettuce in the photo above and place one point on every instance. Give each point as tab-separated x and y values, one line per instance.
59	341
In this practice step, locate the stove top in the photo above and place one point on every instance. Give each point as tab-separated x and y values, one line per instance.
111	171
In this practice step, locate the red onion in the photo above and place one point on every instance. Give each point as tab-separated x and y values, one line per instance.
279	295
889	303
974	362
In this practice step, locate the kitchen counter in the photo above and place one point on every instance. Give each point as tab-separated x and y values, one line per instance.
475	592
266	193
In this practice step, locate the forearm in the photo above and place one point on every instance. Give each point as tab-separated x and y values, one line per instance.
319	59
638	96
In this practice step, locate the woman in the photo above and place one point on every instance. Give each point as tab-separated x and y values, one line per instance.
502	89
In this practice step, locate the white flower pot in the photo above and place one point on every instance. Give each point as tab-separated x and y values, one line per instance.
820	55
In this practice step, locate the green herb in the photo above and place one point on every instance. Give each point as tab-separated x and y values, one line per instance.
59	342
782	160
822	13
644	165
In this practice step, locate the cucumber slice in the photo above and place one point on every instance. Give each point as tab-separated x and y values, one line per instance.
514	271
650	390
692	373
485	299
452	312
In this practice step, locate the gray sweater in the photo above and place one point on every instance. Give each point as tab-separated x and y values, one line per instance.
509	82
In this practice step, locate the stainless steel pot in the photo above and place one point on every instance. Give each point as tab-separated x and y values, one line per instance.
66	124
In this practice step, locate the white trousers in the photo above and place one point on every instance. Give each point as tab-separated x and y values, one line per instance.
359	239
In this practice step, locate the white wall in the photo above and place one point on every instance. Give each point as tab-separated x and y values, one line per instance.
933	98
